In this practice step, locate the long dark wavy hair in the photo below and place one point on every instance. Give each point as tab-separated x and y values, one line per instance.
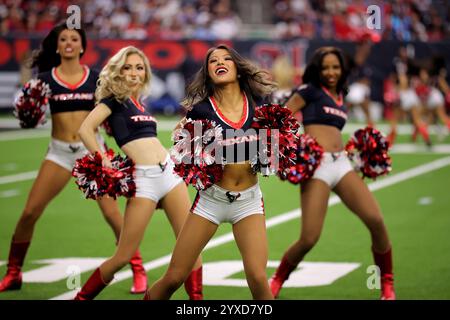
255	82
313	70
46	57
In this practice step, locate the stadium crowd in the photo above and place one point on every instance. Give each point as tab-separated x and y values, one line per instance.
406	20
140	19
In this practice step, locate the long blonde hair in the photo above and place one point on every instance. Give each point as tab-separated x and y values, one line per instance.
283	72
112	83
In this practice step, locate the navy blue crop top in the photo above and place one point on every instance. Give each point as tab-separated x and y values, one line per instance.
129	120
240	141
321	107
66	97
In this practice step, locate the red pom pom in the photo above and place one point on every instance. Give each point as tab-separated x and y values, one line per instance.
368	149
193	163
272	117
97	181
308	156
31	103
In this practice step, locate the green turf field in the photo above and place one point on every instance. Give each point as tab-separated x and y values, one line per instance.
416	210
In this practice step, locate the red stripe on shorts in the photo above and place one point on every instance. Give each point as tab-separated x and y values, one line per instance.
197	198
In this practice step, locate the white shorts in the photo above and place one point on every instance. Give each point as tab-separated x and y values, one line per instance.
220	205
333	167
65	154
155	181
357	93
408	99
435	99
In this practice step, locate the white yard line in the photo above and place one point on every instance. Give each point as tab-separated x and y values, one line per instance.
18	177
24	134
284	217
9	193
408	148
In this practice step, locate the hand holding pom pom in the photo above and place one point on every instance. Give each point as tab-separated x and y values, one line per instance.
308	156
110	175
32	103
106	162
368	149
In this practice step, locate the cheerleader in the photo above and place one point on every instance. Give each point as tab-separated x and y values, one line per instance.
359	79
408	99
430	96
225	90
73	86
320	99
122	83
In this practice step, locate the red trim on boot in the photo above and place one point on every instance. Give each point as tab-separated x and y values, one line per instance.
424	132
11	281
391	137
194	284
13	277
384	262
281	275
93	287
387	287
139	274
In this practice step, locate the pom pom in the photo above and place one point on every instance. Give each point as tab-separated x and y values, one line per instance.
308	156
97	181
368	149
193	154
270	117
31	103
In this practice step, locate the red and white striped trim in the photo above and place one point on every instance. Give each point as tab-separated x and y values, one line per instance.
196	200
67	85
235	125
137	104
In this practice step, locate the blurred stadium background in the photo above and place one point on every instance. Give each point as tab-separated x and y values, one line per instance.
175	35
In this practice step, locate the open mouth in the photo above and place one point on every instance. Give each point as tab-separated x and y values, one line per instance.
68	50
221	71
